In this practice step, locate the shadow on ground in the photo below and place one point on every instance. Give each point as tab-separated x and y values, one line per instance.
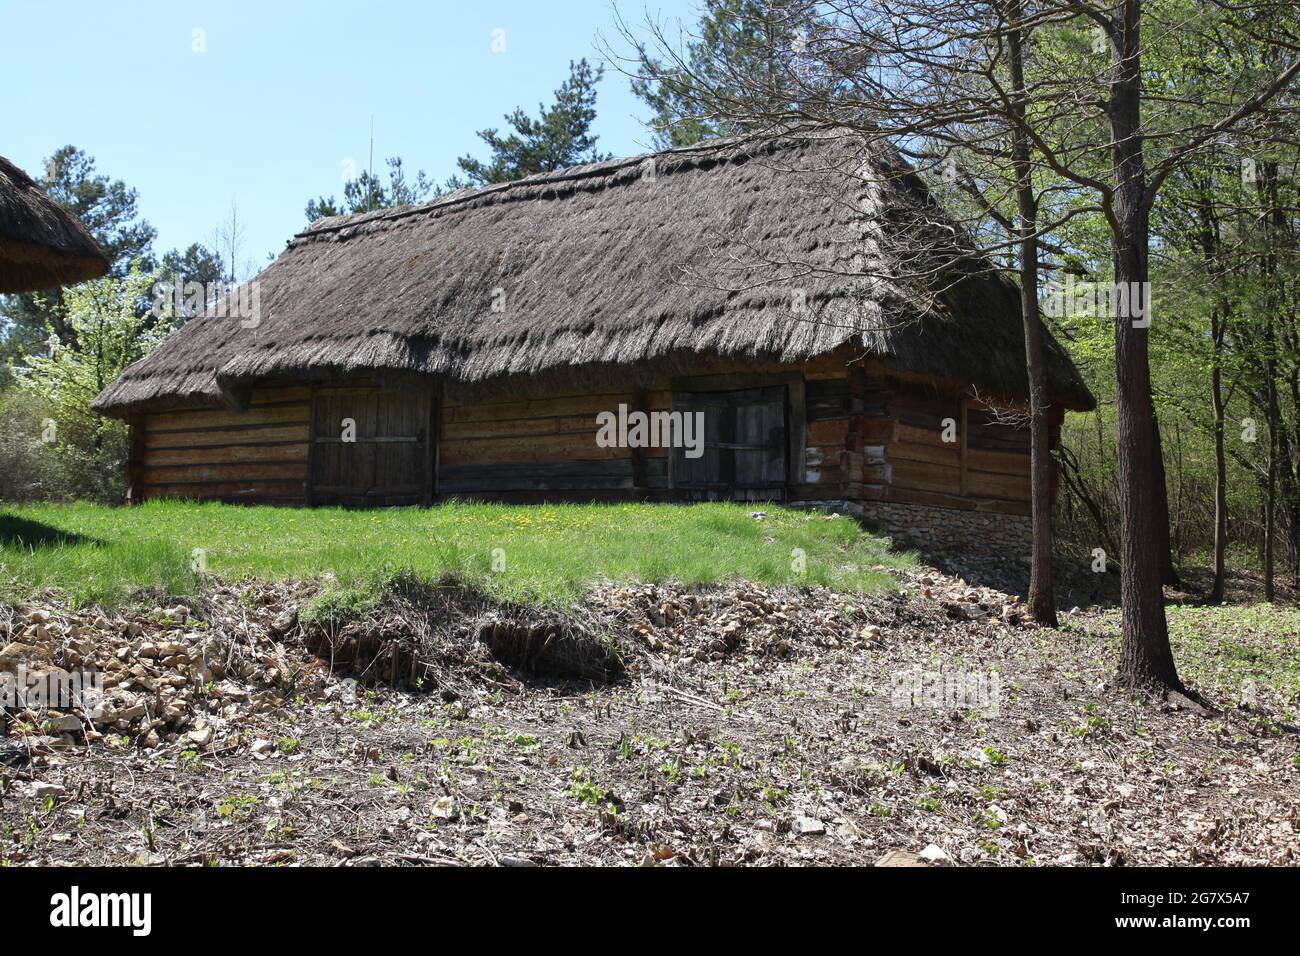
18	532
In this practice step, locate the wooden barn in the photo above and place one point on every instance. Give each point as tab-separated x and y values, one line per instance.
806	300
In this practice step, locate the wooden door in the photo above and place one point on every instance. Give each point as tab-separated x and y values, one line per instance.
744	445
384	457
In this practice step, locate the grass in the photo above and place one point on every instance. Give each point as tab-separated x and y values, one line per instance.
1226	649
1225	646
92	554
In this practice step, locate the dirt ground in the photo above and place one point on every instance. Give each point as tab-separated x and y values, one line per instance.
739	726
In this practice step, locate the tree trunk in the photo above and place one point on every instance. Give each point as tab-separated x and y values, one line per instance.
1274	224
1168	575
1145	658
1270	496
1042	596
1220	463
1295	472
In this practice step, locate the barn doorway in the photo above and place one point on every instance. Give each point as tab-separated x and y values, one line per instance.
745	445
372	446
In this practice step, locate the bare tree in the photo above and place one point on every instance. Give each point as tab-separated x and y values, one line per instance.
939	80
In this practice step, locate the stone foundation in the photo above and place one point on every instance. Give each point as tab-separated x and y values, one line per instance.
939	529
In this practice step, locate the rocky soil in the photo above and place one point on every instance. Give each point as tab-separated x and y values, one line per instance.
654	725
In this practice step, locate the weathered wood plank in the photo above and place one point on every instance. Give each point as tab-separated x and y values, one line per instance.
832	431
947	454
998	462
878	431
249	435
1009	487
191	419
926	476
916	496
797	426
621	467
821	491
540	408
236	490
529	448
226	455
911	434
135	451
827	398
572	424
205	474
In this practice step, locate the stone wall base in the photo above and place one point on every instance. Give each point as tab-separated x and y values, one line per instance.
940	529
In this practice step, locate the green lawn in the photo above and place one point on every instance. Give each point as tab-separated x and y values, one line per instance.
546	554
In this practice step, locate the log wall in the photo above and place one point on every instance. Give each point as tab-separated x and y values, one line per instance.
856	432
525	449
259	454
944	449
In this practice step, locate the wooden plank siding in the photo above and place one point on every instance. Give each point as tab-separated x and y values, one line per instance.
854	431
545	448
259	454
984	467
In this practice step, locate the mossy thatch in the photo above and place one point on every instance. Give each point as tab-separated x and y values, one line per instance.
776	249
42	245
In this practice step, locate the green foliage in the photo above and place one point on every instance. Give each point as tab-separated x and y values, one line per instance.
1225	292
52	392
108	209
737	47
197	263
561	135
109	334
584	789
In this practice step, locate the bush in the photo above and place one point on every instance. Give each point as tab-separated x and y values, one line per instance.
42	459
54	446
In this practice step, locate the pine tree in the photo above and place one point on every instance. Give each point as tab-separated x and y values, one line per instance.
750	38
367	192
560	136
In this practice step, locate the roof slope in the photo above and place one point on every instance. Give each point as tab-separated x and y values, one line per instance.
774	249
42	245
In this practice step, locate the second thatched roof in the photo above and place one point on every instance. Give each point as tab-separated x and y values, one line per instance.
42	245
777	249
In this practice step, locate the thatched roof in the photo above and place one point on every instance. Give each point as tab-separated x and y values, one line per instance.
42	245
617	268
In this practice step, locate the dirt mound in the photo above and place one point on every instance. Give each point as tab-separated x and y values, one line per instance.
441	637
445	636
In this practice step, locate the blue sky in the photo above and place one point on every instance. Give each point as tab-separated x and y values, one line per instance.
282	97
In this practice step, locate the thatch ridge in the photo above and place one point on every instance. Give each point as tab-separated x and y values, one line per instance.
569	174
42	245
633	264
